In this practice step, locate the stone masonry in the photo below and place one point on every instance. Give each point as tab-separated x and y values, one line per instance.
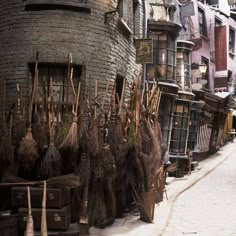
106	48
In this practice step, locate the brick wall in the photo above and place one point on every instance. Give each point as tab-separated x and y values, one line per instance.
105	49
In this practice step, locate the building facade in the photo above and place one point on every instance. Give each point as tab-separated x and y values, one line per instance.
99	35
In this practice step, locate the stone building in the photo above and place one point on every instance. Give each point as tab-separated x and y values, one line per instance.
100	35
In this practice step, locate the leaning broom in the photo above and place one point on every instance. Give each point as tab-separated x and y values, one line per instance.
30	222
28	150
51	165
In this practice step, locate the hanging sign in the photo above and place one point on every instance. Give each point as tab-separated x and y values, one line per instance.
144	51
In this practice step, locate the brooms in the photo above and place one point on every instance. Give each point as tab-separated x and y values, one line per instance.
28	150
52	163
70	145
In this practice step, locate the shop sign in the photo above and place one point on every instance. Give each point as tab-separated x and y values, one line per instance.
144	51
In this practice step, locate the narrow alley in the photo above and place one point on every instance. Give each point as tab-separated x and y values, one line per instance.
207	208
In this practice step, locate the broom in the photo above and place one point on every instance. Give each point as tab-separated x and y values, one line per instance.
6	146
40	127
70	145
63	181
52	164
44	230
28	151
71	140
30	222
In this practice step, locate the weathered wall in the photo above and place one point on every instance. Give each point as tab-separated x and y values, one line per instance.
105	49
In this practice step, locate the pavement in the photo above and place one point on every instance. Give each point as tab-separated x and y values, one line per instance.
131	225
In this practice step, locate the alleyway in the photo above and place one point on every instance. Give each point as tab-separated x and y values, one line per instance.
209	207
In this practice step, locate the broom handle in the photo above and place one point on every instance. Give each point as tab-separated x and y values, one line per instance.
105	95
77	100
33	90
43	215
113	94
68	80
4	99
96	93
51	124
122	96
29	201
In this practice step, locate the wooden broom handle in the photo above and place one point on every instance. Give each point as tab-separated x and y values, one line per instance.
122	96
33	90
77	100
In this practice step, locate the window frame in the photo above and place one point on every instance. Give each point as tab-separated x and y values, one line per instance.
52	69
231	40
202	24
164	58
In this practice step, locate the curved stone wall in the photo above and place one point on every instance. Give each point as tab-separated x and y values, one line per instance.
105	48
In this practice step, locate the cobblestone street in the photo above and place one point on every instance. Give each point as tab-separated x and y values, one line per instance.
209	207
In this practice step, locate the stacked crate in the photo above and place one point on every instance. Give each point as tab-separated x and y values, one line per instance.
58	210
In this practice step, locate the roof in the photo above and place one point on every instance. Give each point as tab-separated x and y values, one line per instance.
222	94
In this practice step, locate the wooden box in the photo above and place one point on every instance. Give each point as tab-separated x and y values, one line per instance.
57	219
73	230
56	197
8	223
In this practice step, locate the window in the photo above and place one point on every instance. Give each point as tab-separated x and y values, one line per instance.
202	22
179	135
63	97
164	50
124	11
206	75
183	66
165	117
231	40
119	88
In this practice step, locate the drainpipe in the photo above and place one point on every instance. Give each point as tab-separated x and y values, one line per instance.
144	36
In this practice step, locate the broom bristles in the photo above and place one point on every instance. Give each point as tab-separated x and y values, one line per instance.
52	163
71	139
28	151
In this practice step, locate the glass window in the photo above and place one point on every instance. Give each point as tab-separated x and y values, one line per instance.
183	73
164	50
63	96
202	22
231	39
165	116
193	129
124	11
180	128
206	75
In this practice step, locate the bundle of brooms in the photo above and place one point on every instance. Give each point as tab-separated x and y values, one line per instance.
6	146
70	145
51	164
63	181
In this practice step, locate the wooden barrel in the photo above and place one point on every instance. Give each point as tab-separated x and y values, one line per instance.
8	223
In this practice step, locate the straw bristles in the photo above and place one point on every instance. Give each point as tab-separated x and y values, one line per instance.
40	134
51	165
71	140
28	151
6	148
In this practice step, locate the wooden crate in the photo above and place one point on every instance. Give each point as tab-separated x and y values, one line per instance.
57	219
56	197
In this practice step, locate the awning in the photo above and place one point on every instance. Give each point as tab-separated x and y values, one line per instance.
222	94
